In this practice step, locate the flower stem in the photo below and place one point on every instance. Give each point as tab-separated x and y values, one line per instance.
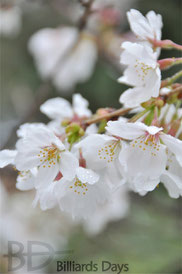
138	116
87	12
169	62
107	116
170	80
165	44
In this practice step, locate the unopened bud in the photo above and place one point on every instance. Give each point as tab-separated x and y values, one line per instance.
159	102
74	132
168	62
65	123
148	103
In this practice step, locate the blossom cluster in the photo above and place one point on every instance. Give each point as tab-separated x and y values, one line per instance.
79	164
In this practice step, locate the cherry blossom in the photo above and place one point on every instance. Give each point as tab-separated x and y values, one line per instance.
145	27
63	55
142	73
144	159
41	148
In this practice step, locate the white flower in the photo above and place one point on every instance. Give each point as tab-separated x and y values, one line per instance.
81	196
43	150
145	158
60	109
99	150
142	72
10	21
145	27
64	56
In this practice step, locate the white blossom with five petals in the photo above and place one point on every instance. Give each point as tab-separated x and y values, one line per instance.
144	160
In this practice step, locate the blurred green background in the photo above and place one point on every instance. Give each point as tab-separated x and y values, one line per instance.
150	238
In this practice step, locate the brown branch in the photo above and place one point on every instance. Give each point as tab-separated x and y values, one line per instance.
43	90
107	116
87	12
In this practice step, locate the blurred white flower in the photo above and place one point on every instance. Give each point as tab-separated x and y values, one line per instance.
114	209
142	72
10	21
63	55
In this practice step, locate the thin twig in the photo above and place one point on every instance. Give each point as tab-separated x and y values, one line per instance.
44	89
107	116
83	19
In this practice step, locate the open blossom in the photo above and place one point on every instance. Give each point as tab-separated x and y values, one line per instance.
63	55
43	150
60	109
142	73
100	150
145	158
145	28
81	196
10	20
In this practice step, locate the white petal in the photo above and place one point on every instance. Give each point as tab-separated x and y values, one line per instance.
142	184
29	147
127	131
25	129
135	51
48	46
46	174
155	22
145	27
174	144
169	181
46	197
133	97
68	165
27	159
87	175
7	157
57	108
96	150
143	163
80	106
25	181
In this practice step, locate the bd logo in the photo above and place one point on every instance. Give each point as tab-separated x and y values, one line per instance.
25	257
